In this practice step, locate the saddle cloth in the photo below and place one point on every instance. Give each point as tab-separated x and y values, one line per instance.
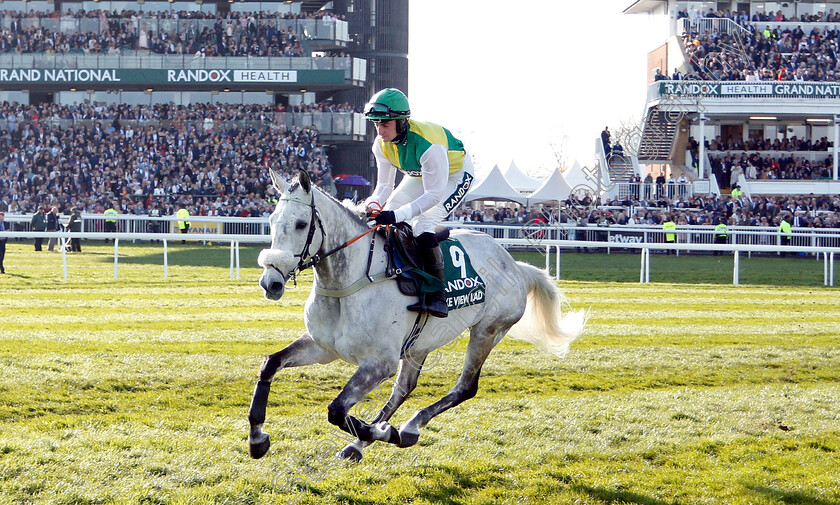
463	285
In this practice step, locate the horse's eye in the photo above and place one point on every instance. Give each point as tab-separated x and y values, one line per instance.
300	225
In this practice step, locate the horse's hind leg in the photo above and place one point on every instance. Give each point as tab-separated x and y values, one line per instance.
479	347
303	351
410	369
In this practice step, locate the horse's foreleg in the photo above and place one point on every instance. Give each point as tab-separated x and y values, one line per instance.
481	343
406	382
367	377
303	351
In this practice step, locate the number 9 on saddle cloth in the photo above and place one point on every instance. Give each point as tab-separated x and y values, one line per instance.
462	286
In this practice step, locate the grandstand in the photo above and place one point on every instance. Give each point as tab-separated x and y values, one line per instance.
741	93
155	103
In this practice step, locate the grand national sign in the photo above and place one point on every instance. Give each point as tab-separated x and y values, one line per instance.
742	88
158	77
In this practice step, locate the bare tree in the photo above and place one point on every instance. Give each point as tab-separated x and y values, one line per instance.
560	147
629	135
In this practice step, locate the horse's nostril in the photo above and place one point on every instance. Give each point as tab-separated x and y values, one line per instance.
275	287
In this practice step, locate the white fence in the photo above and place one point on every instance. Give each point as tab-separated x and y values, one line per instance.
220	228
544	238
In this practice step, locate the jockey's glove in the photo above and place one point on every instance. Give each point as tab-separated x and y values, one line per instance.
385	217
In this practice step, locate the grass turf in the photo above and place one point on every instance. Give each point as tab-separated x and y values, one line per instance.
692	391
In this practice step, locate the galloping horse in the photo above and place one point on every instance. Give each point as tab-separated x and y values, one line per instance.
362	319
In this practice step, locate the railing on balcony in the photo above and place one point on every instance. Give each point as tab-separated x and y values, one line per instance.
711	25
332	123
146	60
310	29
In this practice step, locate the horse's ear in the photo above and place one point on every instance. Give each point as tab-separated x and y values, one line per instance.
305	181
278	181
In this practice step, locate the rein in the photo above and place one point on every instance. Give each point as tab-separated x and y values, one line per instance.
310	260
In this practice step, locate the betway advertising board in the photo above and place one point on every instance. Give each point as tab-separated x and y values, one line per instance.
157	77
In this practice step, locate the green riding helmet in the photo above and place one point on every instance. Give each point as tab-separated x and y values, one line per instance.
390	103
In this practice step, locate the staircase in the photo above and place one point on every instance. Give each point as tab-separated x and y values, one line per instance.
620	168
658	137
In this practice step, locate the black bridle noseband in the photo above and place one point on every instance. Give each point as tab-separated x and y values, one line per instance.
306	260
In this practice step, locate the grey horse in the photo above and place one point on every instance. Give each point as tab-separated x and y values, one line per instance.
348	316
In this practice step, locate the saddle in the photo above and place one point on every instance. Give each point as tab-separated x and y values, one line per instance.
403	263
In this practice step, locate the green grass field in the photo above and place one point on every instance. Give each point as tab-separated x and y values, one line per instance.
685	391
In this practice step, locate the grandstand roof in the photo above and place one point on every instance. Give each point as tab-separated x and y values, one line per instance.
644	6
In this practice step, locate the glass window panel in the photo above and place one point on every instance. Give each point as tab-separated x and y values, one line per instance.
257	98
188	97
166	96
18	5
134	98
14	96
229	97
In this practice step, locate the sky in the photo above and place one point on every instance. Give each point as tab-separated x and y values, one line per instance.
514	81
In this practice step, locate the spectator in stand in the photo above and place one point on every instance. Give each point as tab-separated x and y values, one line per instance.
660	184
605	139
52	225
74	224
39	223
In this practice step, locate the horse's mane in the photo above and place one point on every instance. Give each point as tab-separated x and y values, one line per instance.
351	210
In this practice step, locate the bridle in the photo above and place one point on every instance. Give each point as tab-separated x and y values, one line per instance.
305	259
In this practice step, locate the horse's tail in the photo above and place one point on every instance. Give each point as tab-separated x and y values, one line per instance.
543	323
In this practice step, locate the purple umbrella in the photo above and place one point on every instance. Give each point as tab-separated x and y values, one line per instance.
353	180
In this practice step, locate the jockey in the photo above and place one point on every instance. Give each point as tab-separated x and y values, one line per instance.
438	172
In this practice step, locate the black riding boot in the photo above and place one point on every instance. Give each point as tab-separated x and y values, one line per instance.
432	260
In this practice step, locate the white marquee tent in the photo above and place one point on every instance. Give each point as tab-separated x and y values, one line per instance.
555	188
494	187
585	180
519	180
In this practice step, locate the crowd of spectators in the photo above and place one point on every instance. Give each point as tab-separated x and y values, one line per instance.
232	34
14	113
220	168
743	18
786	144
807	211
812	211
775	54
765	159
754	166
8	15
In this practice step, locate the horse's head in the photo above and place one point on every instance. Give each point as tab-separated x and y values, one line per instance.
296	233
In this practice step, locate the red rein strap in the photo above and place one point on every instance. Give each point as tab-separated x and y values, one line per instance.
315	259
362	235
373	209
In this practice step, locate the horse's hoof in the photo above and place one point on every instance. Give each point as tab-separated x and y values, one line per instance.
407	438
350	452
259	448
